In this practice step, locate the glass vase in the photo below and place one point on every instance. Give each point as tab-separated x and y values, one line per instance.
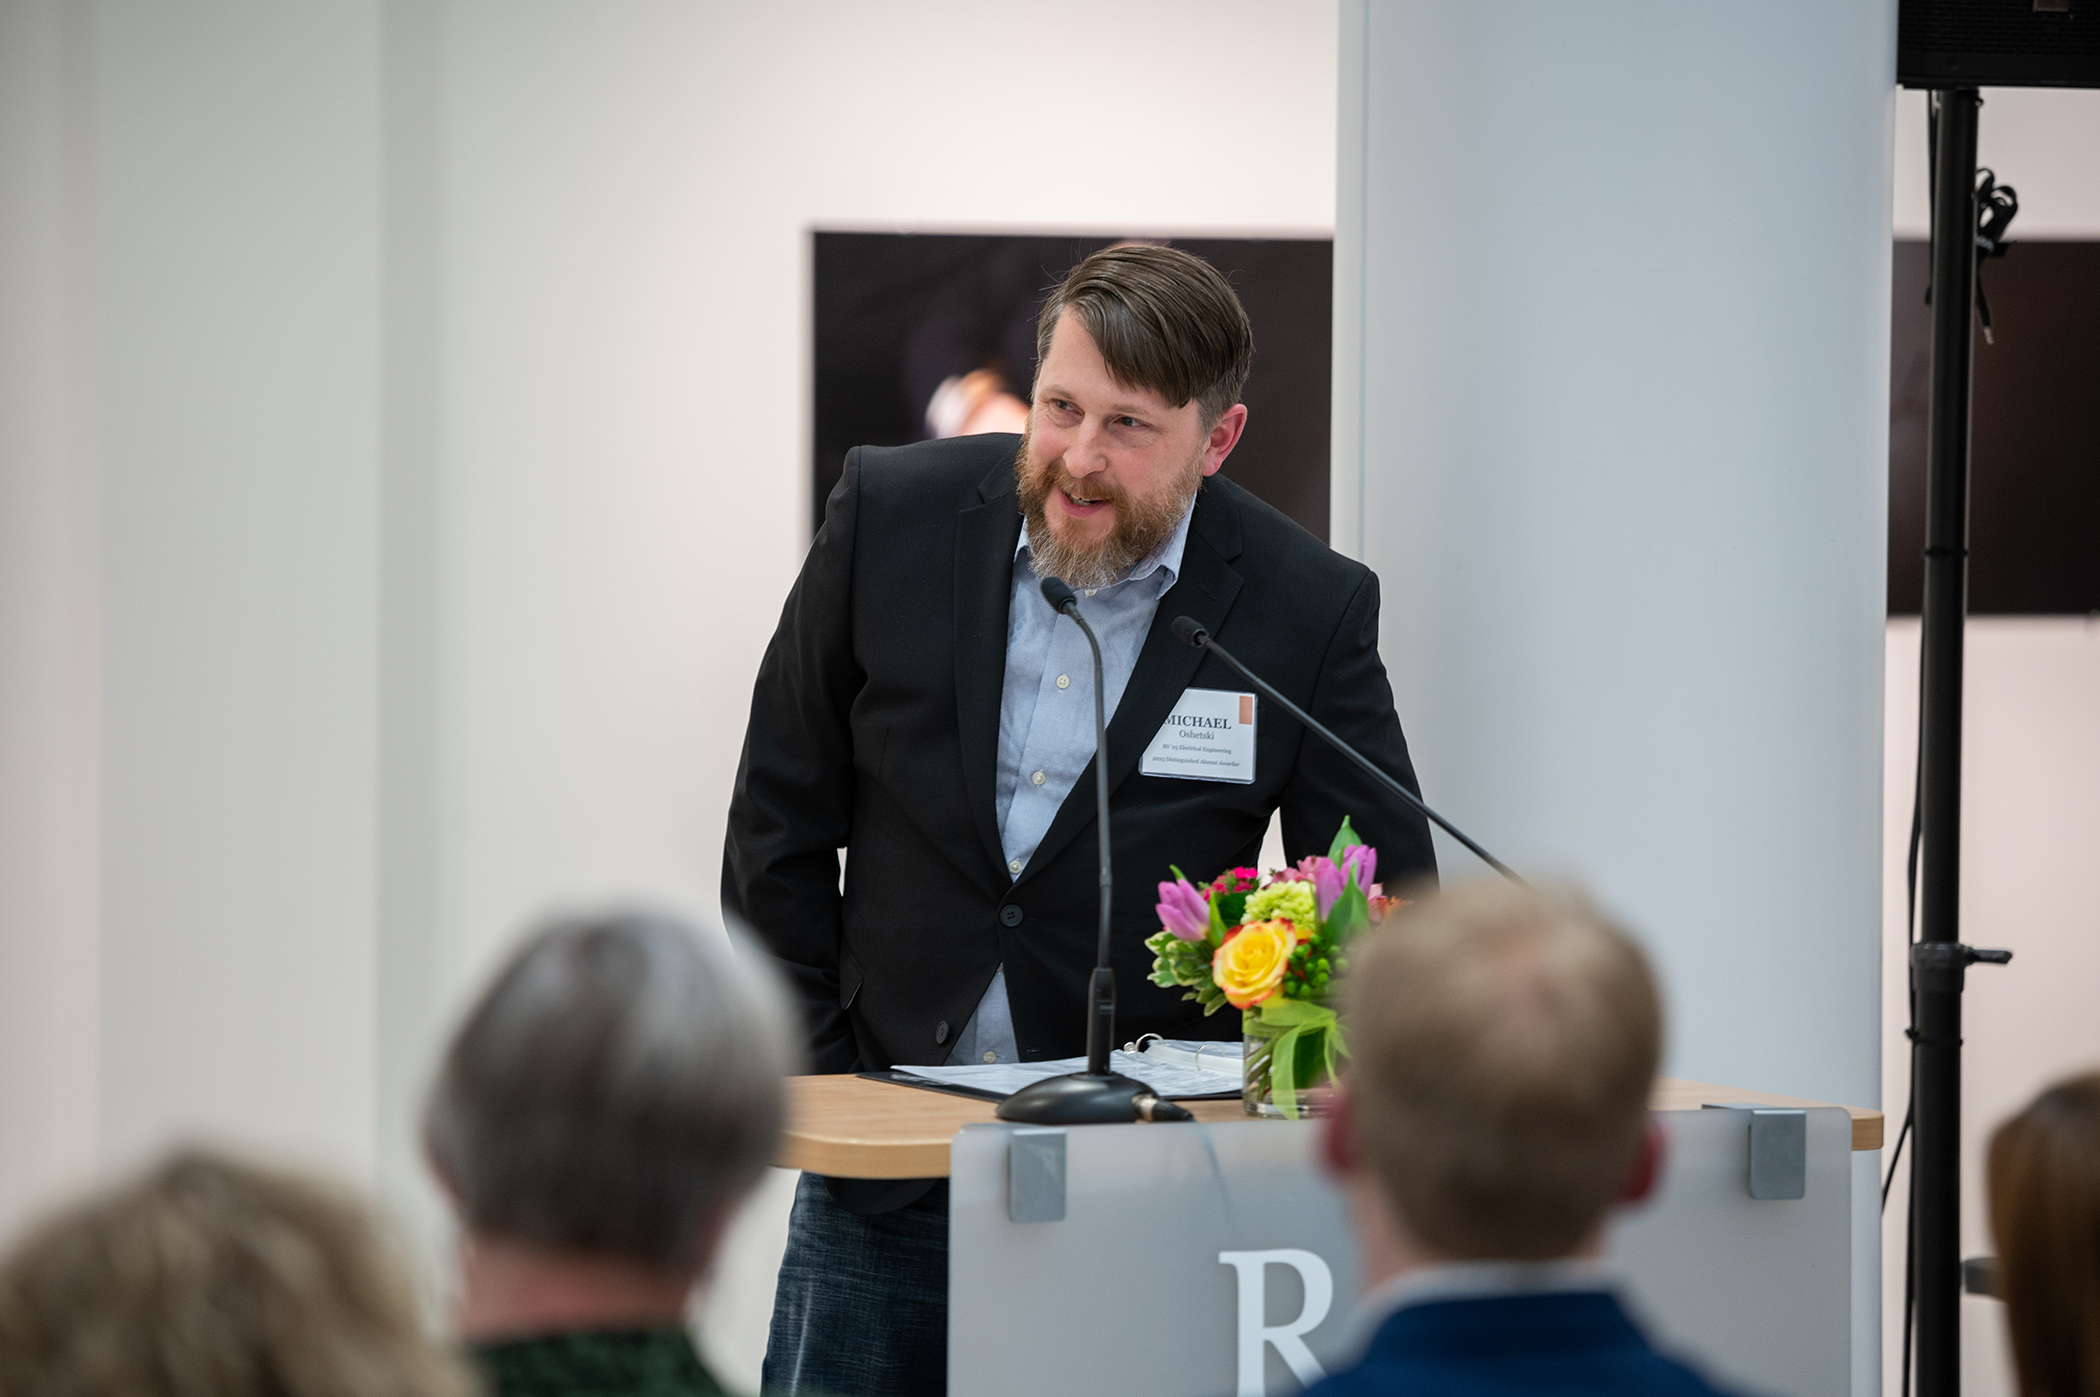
1311	1037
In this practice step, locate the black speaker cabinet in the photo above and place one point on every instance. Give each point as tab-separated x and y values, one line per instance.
1998	43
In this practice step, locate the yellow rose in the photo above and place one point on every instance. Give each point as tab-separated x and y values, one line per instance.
1249	966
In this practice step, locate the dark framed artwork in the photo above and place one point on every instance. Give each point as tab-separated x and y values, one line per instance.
926	334
2034	454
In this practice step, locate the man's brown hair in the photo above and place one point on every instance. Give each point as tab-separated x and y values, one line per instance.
1504	1041
212	1278
2044	1173
1164	320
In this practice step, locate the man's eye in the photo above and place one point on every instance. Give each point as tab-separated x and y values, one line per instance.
1129	422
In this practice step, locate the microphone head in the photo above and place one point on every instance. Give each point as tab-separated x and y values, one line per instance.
1189	631
1058	594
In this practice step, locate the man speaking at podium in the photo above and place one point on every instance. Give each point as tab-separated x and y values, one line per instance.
923	708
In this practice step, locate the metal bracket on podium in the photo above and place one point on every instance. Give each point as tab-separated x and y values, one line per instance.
1035	1174
1778	1148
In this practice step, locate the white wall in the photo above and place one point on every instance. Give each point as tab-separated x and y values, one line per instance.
236	179
49	573
190	555
1613	431
2045	142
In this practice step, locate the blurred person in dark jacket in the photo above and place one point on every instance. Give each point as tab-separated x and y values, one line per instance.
606	1105
1503	1045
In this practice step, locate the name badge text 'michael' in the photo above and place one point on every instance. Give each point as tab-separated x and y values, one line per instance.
1208	737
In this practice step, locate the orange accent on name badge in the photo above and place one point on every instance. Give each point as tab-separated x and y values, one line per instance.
1246	709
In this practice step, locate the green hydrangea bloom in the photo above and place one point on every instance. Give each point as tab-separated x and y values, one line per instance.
1178	962
1292	900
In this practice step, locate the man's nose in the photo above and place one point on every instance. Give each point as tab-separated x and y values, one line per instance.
1087	455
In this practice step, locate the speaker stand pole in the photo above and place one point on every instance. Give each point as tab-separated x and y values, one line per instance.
1939	960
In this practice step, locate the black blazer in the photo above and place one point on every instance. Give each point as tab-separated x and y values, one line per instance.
875	728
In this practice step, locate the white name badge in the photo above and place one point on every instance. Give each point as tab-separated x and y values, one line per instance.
1208	737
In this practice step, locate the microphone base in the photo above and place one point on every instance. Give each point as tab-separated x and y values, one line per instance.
1079	1098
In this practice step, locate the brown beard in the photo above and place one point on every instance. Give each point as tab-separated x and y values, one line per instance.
1140	525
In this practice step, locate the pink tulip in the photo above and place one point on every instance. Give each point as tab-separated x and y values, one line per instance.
1183	910
1361	861
1326	879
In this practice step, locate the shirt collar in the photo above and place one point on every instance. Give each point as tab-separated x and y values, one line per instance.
1165	558
1468	1280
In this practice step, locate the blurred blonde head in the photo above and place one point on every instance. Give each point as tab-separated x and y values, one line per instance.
208	1277
1504	1041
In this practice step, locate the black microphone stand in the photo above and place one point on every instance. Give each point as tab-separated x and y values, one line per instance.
1938	959
1190	631
1096	1096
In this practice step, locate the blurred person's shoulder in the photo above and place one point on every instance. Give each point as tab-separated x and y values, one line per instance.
1560	1344
1651	1376
659	1362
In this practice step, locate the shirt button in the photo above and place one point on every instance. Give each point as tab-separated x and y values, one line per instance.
1037	778
990	1056
1064	681
1013	865
1091	590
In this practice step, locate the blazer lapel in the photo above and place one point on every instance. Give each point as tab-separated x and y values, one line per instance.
1205	590
986	535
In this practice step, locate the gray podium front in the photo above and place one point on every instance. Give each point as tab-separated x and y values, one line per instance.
1213	1258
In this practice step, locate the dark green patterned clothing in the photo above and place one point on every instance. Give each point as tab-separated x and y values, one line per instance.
599	1363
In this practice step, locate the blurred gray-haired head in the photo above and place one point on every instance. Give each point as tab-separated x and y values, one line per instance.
618	1084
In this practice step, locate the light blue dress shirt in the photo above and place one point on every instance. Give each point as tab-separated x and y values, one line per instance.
1046	725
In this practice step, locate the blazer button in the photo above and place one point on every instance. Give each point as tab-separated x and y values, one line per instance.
1009	915
940	1033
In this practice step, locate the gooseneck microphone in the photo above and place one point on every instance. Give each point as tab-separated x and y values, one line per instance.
1097	1095
1189	631
1101	992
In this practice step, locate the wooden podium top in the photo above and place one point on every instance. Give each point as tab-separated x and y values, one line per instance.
861	1129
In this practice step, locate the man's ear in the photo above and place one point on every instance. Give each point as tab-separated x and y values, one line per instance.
1647	1168
1338	1151
1223	437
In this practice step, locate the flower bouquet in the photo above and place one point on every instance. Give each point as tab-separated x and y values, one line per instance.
1273	949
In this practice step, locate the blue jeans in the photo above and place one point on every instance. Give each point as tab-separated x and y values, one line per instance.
862	1309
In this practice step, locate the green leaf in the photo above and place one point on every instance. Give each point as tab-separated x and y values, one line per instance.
1231	907
1295	1013
1350	914
1218	924
1283	1075
1343	838
1293	1025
